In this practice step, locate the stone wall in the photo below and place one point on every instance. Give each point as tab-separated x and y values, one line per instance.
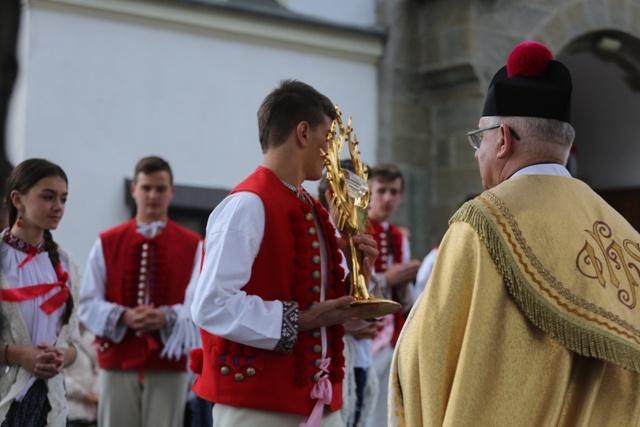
439	58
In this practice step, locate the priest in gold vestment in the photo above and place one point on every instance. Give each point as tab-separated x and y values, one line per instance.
531	314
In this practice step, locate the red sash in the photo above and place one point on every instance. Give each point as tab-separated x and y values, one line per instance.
29	292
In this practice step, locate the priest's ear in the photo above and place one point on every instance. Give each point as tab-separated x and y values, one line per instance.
505	147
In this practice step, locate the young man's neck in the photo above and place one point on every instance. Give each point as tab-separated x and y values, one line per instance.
148	220
286	169
379	218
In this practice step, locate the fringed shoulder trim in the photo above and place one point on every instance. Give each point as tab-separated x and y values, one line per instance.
580	325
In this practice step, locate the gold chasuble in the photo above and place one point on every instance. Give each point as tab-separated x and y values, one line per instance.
530	317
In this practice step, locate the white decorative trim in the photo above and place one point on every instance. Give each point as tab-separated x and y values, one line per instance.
359	46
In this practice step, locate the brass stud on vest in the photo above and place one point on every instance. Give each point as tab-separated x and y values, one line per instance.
317	348
315	289
251	371
316	378
224	370
316	259
318	363
315	275
239	377
316	334
312	231
308	216
315	244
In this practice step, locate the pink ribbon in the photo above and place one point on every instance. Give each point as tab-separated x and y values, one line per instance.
322	392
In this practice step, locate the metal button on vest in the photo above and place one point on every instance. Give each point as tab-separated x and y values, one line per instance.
383	250
143	262
141	285
140	293
251	371
316	378
140	301
316	259
239	377
318	363
144	254
312	231
315	289
315	275
224	370
308	216
317	348
315	244
316	334
142	277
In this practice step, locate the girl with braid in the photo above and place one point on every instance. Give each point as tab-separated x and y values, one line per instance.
39	327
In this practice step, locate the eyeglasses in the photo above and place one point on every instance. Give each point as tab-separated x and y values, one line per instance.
475	136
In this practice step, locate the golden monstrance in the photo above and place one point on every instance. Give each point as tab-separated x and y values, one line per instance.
350	198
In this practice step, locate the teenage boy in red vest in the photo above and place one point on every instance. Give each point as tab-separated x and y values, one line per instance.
394	269
132	299
271	299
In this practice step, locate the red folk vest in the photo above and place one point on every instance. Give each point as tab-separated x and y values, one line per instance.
389	244
162	265
287	268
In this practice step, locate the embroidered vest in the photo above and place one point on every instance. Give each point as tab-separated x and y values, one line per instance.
389	244
287	268
144	271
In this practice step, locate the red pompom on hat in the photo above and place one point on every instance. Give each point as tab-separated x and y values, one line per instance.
532	84
529	59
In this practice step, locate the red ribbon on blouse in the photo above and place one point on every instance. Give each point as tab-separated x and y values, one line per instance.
29	292
32	251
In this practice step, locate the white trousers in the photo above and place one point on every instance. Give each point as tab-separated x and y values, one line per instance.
231	416
159	401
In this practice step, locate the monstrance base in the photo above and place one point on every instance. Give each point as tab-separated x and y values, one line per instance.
376	308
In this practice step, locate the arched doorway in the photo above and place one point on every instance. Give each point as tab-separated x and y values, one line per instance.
605	67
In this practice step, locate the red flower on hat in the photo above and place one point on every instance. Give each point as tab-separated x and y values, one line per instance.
528	59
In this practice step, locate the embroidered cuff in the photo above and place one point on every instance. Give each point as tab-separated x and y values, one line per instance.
170	316
112	331
289	335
